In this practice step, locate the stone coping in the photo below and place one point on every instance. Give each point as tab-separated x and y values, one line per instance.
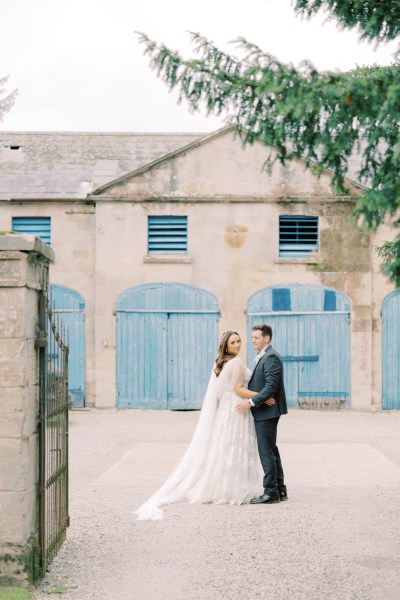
25	242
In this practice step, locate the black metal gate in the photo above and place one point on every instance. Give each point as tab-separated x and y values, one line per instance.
53	432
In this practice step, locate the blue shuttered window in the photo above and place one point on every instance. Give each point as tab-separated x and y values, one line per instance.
298	236
167	235
40	226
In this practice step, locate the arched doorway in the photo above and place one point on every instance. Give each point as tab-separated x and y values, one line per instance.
167	337
391	352
71	306
311	331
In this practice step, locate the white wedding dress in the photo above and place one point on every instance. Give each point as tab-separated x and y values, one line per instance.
221	464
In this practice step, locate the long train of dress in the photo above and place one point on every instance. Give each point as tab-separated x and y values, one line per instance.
221	464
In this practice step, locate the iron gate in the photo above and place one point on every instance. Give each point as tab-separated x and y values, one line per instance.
53	432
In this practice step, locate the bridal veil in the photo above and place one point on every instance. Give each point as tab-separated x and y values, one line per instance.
187	470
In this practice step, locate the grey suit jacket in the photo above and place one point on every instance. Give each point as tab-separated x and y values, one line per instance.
267	380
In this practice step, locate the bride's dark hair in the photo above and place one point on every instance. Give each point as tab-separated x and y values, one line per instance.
223	355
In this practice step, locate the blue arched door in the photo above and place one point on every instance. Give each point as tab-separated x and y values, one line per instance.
391	352
311	331
167	337
71	306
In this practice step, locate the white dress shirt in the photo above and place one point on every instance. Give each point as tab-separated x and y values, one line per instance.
257	360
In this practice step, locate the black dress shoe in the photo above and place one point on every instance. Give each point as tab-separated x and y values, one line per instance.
265	499
283	495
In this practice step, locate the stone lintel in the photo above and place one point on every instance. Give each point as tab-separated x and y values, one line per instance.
23	242
19	412
20	464
23	269
18	363
18	312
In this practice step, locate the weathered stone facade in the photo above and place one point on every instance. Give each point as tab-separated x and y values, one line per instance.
232	203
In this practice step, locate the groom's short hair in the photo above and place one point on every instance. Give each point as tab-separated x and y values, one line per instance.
265	330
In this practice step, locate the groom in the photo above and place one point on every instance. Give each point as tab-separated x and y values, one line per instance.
266	381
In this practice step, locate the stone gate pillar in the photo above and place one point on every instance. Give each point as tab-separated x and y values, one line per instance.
24	267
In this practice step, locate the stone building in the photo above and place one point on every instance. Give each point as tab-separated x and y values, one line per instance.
163	241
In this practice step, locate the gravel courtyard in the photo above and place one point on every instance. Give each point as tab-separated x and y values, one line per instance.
338	536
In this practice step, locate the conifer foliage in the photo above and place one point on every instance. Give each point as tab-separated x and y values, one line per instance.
322	117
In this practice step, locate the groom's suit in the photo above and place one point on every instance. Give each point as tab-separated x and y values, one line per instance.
267	380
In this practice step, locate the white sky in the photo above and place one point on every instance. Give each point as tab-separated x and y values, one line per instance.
78	66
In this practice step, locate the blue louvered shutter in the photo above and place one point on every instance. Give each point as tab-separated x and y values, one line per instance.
167	235
40	226
298	236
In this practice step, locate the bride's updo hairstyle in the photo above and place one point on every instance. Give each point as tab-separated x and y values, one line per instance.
223	355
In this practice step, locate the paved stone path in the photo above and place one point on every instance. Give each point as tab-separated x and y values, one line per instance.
338	536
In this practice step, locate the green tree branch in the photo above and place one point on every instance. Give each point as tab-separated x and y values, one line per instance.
321	117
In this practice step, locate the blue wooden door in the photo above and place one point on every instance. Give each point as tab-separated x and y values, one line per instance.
167	336
141	357
71	307
311	331
391	352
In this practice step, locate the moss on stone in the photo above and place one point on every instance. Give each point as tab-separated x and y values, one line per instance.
23	564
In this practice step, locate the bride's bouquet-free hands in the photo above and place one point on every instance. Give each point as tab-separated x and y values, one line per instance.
243	392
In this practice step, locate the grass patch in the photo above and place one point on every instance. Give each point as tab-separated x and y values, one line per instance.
13	593
59	589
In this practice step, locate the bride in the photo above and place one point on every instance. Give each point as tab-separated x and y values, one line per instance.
221	464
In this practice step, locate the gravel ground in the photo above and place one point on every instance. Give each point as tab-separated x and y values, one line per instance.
338	536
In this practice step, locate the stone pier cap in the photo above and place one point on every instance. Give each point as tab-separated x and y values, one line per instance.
24	242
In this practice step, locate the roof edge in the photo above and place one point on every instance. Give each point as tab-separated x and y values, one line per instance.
105	133
202	140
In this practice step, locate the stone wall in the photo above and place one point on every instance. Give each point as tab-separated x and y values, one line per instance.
73	242
24	266
233	206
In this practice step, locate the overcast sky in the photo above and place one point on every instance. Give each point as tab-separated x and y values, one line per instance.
78	66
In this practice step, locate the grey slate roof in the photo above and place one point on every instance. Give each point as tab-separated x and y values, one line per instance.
51	165
47	165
